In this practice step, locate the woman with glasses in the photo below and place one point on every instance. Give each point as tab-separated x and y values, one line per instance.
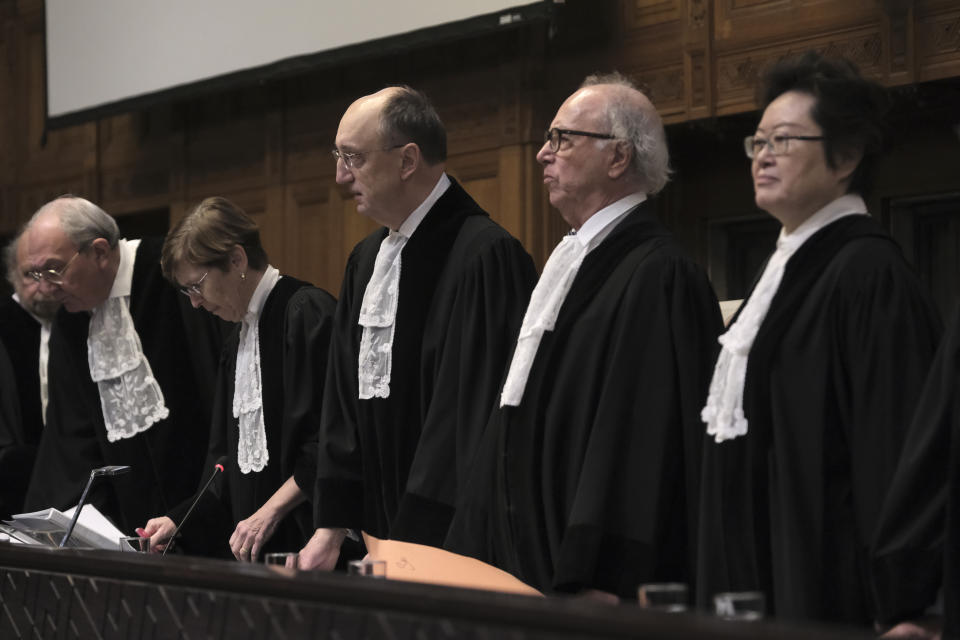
821	368
271	373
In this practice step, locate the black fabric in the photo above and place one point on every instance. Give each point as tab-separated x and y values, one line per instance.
393	466
592	481
294	329
21	424
918	544
832	380
181	345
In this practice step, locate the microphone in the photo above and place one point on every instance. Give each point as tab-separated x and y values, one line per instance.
217	468
102	472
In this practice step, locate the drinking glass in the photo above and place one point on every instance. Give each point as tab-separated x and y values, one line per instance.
740	605
369	568
670	597
135	544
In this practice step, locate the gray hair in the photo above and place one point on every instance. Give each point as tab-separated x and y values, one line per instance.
642	127
82	221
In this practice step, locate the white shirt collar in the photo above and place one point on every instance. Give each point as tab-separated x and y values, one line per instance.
599	225
843	206
259	298
123	282
414	219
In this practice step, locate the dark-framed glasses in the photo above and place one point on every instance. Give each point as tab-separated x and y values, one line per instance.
555	136
193	289
355	159
777	144
53	276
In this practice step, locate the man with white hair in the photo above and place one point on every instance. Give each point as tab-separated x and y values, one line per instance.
587	476
131	378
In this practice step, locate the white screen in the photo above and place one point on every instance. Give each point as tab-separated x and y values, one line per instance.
105	51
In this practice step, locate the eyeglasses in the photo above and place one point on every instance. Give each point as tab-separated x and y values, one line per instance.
355	159
778	145
193	289
554	136
53	276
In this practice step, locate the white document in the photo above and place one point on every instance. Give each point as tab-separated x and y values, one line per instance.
48	526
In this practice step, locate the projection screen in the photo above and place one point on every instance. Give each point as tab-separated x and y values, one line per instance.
106	55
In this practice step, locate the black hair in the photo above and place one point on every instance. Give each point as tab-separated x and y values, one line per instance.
849	109
408	116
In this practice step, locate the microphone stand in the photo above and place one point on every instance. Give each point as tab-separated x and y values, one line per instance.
112	470
217	468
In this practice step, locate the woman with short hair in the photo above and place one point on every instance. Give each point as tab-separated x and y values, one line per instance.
266	412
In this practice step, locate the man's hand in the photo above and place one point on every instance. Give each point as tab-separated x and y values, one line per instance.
159	530
322	550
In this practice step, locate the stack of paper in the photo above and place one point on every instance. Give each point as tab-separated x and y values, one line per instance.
47	527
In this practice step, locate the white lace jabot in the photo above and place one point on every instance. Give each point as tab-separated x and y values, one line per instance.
552	289
252	454
378	311
723	412
130	396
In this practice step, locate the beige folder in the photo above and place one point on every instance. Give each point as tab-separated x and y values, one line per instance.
420	563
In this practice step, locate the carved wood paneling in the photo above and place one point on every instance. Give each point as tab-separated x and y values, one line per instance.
639	14
738	73
938	45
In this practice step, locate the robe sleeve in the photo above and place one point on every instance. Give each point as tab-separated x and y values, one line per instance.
908	560
634	505
887	336
307	330
338	491
469	356
16	456
69	447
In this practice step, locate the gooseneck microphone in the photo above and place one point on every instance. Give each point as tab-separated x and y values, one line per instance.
217	468
102	472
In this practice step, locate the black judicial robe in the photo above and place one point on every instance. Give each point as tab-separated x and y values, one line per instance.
918	544
294	328
592	481
393	466
182	345
20	335
833	378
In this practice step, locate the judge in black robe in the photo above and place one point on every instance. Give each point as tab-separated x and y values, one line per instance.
590	481
791	506
260	503
294	330
20	336
917	551
181	345
392	466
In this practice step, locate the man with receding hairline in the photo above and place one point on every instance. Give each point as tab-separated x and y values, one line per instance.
420	338
586	479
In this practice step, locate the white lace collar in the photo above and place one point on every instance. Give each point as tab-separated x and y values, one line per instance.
130	396
378	310
723	412
252	453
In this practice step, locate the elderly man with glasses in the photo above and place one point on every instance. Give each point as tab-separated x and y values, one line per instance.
587	476
130	378
421	333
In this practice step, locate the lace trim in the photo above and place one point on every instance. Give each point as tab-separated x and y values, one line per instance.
378	313
130	396
252	454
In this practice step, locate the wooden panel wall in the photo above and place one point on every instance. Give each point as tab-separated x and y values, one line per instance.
267	147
